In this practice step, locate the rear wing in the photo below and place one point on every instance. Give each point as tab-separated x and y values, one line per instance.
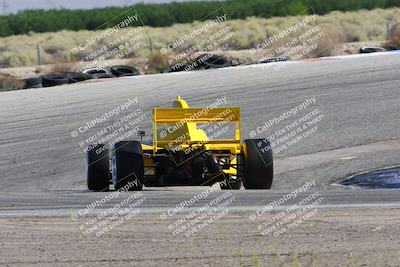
180	116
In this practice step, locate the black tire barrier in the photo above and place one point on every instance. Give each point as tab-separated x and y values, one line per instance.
274	59
121	71
128	165
97	73
204	61
256	164
98	170
367	49
33	82
211	61
54	80
178	68
75	77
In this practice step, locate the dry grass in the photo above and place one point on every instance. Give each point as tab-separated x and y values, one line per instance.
394	38
327	44
62	67
56	47
157	63
9	82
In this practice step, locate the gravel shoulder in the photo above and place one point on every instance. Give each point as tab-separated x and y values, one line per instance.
332	237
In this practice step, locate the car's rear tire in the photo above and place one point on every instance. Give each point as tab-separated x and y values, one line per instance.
98	169
128	165
256	164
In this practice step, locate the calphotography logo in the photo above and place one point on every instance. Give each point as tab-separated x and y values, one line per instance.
108	47
215	123
288	217
112	126
290	128
109	212
198	213
200	48
303	39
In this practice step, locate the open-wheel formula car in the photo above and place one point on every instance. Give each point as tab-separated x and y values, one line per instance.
189	148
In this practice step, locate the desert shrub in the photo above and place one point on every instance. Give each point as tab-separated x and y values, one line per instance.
327	44
394	38
351	37
157	62
9	82
17	58
62	67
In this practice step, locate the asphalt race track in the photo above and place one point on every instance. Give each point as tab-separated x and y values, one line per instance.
69	202
42	169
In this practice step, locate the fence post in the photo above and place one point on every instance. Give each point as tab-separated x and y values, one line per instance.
38	54
150	45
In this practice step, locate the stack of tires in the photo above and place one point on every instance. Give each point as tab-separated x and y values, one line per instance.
60	78
204	61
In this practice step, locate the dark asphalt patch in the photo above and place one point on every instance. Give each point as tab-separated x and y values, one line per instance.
386	178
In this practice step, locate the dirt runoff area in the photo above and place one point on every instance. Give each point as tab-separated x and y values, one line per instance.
332	237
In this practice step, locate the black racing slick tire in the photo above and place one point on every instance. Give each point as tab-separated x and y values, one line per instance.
128	166
98	169
257	164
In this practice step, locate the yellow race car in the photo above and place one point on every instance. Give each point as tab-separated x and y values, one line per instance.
190	147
